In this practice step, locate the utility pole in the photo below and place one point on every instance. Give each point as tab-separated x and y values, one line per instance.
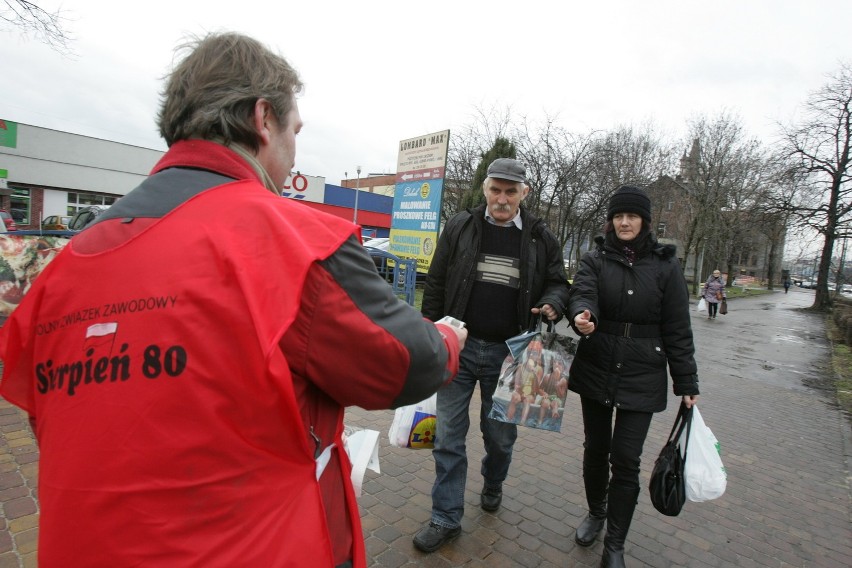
357	191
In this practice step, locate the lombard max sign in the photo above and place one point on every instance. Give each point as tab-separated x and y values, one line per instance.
419	190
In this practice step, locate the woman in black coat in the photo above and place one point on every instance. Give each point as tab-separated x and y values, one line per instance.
631	305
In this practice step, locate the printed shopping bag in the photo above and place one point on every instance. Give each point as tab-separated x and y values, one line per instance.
706	477
533	381
413	425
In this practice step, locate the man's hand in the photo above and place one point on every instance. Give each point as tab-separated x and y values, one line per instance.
547	311
583	323
461	333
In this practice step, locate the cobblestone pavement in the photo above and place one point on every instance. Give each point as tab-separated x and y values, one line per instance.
763	371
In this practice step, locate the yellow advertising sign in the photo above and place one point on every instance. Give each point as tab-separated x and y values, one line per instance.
416	214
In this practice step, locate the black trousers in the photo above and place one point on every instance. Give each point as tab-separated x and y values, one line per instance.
712	309
618	445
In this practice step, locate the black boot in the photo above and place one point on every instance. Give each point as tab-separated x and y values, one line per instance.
620	507
612	559
596	481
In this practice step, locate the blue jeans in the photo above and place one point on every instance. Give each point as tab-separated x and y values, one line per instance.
479	361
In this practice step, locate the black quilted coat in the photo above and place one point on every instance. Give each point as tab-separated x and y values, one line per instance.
625	365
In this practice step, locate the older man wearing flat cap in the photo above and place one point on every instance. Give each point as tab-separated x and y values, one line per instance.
494	267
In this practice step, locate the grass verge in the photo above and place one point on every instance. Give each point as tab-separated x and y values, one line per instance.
740	292
841	367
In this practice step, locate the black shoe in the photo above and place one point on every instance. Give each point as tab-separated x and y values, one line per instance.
612	559
491	498
589	530
433	537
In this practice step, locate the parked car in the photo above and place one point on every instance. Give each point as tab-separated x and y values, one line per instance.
56	222
380	243
85	216
8	221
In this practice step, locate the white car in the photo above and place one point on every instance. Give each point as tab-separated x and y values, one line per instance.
380	243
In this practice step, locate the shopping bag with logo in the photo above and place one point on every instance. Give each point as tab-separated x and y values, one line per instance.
667	486
413	425
533	380
702	305
706	477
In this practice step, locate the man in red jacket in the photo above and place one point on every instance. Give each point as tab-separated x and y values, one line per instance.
189	400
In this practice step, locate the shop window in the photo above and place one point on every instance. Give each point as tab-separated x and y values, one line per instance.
20	206
77	200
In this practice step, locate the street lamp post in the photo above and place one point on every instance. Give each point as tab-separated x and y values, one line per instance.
357	191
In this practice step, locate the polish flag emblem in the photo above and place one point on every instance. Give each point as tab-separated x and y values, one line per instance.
99	335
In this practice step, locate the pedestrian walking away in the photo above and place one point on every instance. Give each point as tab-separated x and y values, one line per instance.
714	293
494	266
630	304
206	430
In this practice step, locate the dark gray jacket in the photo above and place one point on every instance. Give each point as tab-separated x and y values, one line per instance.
453	269
625	366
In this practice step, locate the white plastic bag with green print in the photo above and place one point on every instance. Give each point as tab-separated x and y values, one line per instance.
705	474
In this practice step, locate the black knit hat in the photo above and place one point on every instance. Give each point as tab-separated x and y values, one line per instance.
629	199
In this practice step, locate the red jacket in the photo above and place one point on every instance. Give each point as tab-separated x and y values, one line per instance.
184	386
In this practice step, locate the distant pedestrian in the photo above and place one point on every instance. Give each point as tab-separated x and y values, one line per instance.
714	293
631	303
787	285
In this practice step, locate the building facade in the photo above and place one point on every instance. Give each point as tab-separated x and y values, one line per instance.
46	172
745	247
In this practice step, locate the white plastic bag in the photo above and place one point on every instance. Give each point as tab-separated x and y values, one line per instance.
413	426
362	446
705	474
702	305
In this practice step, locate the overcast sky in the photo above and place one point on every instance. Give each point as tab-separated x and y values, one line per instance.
377	72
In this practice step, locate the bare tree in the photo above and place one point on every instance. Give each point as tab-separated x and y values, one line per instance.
468	146
776	207
557	169
593	166
723	174
30	18
821	146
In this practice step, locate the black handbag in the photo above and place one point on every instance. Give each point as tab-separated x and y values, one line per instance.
668	486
